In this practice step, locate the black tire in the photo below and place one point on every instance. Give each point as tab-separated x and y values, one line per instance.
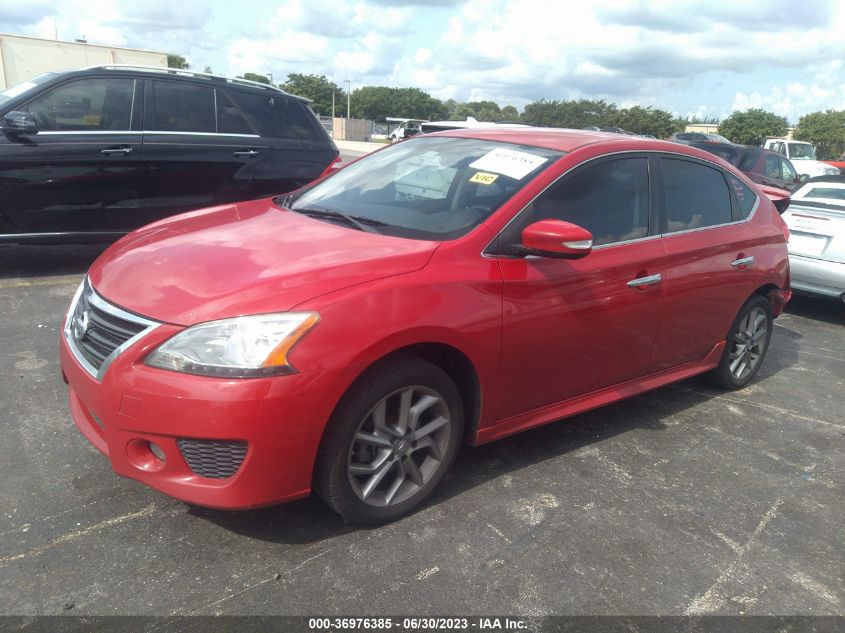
723	375
334	480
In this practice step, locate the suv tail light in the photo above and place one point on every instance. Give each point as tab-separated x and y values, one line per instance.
337	163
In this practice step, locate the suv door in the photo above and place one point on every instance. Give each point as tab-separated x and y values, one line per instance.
82	171
192	157
300	148
572	326
710	267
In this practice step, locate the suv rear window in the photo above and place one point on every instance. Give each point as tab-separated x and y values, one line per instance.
275	116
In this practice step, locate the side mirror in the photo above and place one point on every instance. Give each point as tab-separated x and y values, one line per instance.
16	122
802	178
556	238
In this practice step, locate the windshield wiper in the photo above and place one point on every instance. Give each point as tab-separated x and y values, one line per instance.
355	221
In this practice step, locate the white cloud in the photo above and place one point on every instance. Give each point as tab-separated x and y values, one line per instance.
794	99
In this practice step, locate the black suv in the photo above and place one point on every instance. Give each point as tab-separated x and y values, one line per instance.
94	153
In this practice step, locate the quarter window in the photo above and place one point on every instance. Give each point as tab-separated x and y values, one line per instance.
744	196
85	105
609	199
182	107
696	196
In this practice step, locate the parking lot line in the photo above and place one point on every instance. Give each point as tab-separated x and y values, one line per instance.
61	280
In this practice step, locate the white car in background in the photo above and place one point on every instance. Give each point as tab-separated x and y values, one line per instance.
816	221
802	155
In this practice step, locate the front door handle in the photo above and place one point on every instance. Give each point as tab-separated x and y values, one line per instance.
116	151
742	262
248	153
645	281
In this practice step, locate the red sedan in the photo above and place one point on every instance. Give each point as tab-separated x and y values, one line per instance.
461	286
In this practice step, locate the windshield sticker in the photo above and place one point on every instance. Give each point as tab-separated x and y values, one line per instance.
508	162
483	179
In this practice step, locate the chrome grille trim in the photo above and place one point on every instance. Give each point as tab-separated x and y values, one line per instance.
121	329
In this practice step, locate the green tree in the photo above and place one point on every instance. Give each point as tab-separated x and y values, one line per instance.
639	120
510	113
263	79
752	126
570	114
177	61
319	90
208	70
825	130
378	102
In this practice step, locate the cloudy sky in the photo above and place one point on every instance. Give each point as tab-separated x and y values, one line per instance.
703	57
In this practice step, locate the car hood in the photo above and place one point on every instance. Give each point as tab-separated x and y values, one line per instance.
246	258
810	166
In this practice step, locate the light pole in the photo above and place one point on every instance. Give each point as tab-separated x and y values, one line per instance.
348	95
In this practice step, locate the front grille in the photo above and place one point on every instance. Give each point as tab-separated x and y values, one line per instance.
213	458
96	329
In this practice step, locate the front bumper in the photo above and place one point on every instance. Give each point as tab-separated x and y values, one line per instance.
281	419
817	276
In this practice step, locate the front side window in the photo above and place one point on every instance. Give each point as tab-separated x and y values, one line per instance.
182	107
436	188
696	196
85	105
610	199
802	151
789	175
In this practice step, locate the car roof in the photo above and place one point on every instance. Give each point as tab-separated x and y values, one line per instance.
566	140
131	70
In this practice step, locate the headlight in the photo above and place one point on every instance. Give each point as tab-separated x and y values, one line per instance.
243	347
831	171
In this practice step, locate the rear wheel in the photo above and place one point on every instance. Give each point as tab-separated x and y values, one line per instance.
747	343
391	441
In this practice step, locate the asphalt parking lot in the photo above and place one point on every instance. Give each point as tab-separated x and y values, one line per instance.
686	500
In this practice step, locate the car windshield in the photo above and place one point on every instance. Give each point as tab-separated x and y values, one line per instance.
433	188
23	88
802	151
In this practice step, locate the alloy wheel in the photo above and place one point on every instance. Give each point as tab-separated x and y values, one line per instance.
748	342
399	446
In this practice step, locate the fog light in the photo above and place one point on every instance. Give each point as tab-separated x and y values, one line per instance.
155	449
145	455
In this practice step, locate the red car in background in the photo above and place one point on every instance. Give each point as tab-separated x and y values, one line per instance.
457	287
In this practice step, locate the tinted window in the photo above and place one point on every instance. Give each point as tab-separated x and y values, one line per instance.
609	199
275	116
86	104
695	196
744	196
182	107
771	169
230	120
749	159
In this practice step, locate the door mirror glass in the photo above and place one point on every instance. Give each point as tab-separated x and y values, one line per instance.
19	123
803	178
556	238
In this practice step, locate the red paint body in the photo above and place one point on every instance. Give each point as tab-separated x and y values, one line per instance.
547	338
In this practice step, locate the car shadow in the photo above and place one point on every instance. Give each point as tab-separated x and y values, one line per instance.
817	308
310	520
23	262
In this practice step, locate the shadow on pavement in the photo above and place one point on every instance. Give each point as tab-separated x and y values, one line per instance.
817	308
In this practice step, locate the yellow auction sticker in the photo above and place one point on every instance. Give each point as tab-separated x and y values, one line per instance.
483	178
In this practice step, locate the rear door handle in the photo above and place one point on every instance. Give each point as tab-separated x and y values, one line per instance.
742	262
645	281
248	153
116	151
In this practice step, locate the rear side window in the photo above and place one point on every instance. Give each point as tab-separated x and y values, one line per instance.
182	107
230	120
610	200
275	116
744	196
85	105
696	196
771	169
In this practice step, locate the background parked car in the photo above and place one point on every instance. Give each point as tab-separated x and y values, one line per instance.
94	153
763	166
687	137
802	155
816	221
